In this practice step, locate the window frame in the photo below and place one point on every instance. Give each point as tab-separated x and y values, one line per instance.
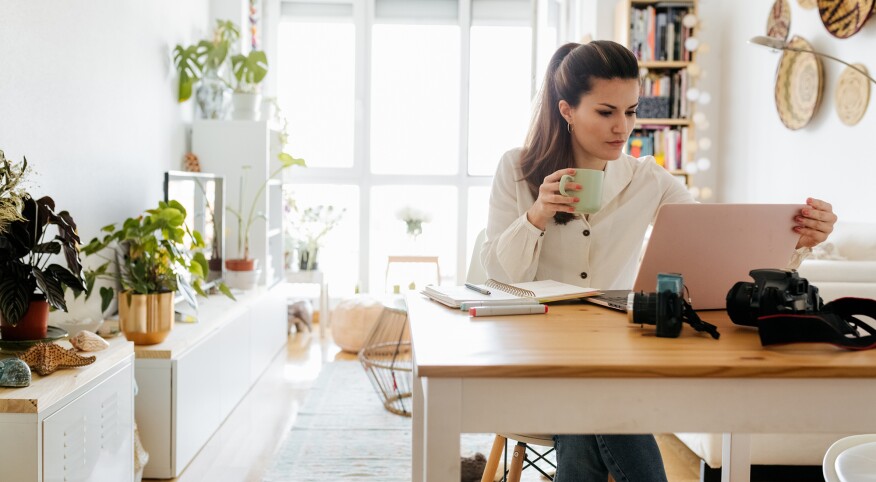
363	18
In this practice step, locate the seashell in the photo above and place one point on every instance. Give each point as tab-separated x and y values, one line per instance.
88	341
14	373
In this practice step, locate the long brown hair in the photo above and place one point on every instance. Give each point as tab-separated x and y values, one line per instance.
570	75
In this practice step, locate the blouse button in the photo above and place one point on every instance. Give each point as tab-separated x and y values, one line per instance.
542	233
583	275
586	232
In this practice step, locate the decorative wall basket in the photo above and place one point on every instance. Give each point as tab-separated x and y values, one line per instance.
852	95
799	82
779	22
844	18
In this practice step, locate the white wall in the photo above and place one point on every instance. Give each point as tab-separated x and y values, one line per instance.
760	159
88	94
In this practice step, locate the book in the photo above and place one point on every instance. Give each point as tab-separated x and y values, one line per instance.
543	291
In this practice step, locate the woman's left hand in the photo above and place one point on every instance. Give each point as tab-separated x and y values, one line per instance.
814	223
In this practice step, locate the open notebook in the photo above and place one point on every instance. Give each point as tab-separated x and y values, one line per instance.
500	293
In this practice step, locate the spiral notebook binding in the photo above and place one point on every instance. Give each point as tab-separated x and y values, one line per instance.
510	289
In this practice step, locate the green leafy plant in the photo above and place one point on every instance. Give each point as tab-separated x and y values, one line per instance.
27	252
249	70
150	256
194	60
245	223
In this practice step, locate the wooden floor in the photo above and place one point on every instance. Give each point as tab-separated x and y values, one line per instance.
244	445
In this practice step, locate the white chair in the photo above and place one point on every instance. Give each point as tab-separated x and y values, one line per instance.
476	273
851	459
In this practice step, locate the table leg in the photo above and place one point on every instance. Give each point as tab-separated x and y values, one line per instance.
736	457
324	316
417	443
443	404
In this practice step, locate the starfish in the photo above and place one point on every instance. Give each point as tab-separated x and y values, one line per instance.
45	358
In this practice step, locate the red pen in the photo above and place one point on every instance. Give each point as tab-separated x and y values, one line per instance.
508	310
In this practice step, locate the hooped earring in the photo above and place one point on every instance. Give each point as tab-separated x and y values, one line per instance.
569	127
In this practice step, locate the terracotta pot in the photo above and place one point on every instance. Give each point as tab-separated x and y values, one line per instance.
146	319
240	264
32	326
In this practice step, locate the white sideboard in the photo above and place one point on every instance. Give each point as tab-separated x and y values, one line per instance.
75	424
189	383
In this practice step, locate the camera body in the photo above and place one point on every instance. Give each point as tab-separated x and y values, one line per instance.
774	291
663	308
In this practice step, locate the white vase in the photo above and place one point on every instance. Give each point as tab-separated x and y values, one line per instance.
214	97
246	106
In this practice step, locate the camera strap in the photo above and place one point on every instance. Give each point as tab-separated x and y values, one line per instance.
691	317
835	324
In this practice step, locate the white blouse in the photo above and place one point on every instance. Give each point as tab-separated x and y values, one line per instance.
600	252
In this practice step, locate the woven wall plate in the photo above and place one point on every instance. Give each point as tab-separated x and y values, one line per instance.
843	18
779	22
807	4
852	95
799	82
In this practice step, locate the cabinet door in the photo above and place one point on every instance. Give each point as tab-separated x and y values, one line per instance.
92	437
197	409
268	329
235	364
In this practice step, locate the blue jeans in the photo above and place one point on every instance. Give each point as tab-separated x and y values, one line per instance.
629	458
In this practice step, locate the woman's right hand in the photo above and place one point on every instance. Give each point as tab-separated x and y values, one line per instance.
550	201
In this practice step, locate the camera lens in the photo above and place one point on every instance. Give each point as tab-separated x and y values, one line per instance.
642	308
739	304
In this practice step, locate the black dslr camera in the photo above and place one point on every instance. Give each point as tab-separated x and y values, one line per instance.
663	308
774	291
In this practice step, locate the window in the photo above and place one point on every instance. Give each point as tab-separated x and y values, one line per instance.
415	99
336	254
406	104
499	104
316	89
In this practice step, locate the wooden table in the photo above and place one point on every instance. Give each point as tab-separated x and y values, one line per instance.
585	369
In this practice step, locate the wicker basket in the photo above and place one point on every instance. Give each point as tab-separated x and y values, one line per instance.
386	357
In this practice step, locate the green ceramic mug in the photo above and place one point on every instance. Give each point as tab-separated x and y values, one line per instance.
590	195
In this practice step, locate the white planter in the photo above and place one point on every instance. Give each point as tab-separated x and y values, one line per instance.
242	280
246	106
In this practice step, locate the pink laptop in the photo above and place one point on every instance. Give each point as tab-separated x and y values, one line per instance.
713	246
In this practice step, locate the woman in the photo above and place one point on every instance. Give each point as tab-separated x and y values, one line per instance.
586	113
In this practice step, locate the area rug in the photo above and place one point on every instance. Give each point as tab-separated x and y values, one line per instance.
342	432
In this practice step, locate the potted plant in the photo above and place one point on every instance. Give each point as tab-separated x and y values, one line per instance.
30	280
249	70
307	228
246	218
204	62
150	264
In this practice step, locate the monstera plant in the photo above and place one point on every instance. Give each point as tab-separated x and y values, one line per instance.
30	279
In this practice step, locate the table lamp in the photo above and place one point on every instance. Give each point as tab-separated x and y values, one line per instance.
779	44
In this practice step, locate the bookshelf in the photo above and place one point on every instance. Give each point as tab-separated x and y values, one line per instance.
654	30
